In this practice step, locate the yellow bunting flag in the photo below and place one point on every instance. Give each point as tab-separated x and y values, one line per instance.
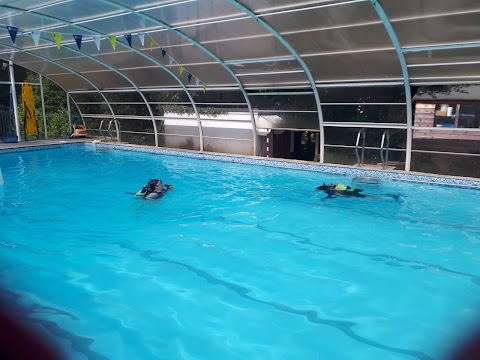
204	87
181	70
113	41
58	38
152	43
31	127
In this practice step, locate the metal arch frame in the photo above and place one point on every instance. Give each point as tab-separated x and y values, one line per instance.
118	71
406	78
34	13
290	48
63	67
204	49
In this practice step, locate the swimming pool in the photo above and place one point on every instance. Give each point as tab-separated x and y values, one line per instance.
239	262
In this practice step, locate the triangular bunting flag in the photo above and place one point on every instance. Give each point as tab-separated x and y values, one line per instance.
181	70
129	39
36	37
78	39
96	39
204	87
164	52
113	41
170	60
152	43
13	32
189	77
58	38
141	36
197	82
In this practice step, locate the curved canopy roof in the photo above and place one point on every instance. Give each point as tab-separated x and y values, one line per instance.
247	45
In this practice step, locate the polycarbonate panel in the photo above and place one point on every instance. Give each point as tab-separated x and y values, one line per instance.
108	79
284	102
361	66
396	10
217	96
453	71
290	120
341	40
183	127
266	66
194	12
282	80
80	64
130	109
185	55
124	97
89	109
79	10
69	82
178	141
431	57
88	97
118	25
244	28
351	14
25	20
213	74
152	76
167	110
263	6
253	48
124	59
166	96
365	113
363	94
446	29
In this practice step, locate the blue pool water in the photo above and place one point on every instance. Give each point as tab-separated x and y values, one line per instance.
239	262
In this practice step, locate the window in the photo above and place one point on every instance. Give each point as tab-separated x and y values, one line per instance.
457	115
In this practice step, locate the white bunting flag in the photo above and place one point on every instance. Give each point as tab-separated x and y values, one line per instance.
36	37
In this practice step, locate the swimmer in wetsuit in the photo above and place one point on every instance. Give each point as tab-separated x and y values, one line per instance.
154	189
340	190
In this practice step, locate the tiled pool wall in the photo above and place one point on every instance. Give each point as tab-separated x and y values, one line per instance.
350	172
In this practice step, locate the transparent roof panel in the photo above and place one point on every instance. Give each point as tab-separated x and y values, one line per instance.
360	66
194	12
244	28
432	30
351	14
340	41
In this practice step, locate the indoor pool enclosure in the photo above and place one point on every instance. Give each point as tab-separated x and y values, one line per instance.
252	105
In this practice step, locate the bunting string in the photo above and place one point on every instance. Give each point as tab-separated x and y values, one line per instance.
79	38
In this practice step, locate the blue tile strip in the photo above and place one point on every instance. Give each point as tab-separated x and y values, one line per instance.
351	172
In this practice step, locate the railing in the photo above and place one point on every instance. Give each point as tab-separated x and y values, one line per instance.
386	135
360	135
109	131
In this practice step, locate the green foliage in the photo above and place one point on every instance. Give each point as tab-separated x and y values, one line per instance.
55	107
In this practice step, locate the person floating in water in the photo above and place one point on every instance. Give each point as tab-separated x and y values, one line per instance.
153	190
334	190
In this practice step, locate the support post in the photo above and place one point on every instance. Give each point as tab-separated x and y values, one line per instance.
43	107
14	99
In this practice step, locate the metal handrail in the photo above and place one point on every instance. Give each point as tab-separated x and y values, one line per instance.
117	128
361	134
100	129
386	134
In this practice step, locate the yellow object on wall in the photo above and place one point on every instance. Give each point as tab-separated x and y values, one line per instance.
31	127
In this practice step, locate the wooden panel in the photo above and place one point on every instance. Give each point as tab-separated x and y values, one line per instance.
453	135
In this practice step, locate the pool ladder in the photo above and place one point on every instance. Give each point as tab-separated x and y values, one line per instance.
384	146
115	137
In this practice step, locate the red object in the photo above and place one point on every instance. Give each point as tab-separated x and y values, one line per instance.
268	142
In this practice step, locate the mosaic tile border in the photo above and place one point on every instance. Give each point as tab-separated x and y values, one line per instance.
38	147
350	172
